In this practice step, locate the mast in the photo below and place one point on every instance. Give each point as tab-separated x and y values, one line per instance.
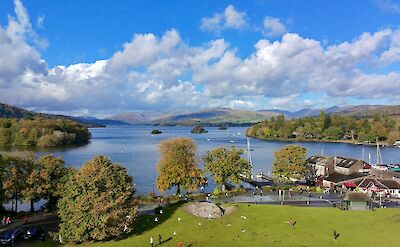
369	158
378	154
363	152
249	156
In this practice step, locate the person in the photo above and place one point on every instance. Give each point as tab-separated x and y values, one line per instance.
151	242
180	244
8	220
159	239
335	235
4	221
26	221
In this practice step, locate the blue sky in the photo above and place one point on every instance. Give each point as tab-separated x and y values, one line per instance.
325	53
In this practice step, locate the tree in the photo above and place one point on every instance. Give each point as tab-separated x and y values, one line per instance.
45	181
17	169
177	165
2	171
289	163
97	203
226	165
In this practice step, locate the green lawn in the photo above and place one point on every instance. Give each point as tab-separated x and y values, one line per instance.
267	225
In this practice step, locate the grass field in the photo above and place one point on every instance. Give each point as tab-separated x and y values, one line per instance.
266	225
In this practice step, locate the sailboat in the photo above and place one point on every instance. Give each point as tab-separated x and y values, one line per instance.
249	156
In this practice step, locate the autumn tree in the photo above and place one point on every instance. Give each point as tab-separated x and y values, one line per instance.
289	163
17	169
46	181
2	170
177	166
97	202
226	165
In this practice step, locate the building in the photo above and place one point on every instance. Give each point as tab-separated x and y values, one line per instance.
388	187
349	166
322	166
337	180
356	201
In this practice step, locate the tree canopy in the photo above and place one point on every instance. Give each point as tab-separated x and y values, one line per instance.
289	163
97	203
177	166
226	165
42	132
31	179
329	127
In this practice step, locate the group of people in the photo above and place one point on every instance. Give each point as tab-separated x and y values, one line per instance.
6	220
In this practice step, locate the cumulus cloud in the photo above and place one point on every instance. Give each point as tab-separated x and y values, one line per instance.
229	19
273	27
165	72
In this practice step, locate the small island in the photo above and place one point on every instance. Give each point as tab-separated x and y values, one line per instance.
156	132
198	130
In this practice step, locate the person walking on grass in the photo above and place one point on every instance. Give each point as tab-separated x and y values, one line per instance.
180	244
159	239
151	242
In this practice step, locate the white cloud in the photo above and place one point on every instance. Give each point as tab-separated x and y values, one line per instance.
273	27
166	73
229	19
388	5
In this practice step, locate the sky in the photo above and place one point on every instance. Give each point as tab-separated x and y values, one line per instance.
100	58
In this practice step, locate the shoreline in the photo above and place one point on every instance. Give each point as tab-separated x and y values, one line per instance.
384	144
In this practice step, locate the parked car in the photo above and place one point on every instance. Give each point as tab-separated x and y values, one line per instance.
8	236
33	232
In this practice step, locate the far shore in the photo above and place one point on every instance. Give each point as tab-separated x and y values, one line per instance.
383	144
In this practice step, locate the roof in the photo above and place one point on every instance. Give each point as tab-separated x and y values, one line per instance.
348	162
390	183
350	184
380	183
357	197
315	159
338	177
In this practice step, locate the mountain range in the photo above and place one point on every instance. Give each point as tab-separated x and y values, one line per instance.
218	116
215	116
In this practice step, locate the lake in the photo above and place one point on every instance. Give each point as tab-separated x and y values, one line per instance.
136	149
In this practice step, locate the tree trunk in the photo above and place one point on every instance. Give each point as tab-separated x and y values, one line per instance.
32	206
16	204
178	189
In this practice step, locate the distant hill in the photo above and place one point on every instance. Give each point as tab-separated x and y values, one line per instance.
130	118
216	116
9	111
207	117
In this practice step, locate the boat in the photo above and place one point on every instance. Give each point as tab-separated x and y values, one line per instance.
231	141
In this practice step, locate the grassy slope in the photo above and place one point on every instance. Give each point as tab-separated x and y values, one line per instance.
266	226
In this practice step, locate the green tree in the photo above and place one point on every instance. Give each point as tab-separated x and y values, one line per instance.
289	163
226	165
333	133
97	202
177	165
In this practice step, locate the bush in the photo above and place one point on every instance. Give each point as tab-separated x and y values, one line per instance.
217	191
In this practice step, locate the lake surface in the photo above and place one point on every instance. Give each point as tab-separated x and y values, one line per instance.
136	149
